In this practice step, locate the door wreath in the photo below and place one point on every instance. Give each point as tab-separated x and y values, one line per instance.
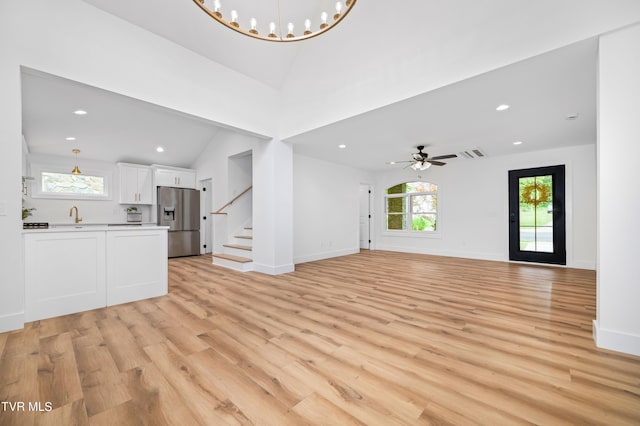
536	193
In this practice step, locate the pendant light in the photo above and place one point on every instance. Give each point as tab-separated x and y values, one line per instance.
76	170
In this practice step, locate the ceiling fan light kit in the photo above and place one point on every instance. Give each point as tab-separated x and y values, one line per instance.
276	30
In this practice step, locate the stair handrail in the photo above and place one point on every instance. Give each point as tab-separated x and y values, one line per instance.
219	211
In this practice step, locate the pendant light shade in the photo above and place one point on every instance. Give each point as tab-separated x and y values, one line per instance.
76	170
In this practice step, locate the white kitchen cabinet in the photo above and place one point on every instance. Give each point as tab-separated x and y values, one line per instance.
175	177
136	265
135	184
65	272
89	267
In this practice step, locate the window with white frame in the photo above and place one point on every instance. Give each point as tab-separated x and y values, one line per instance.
412	207
55	182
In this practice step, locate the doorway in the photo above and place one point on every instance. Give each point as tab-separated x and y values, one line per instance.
365	216
537	215
206	222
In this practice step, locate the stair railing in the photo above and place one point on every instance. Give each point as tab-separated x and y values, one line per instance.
219	211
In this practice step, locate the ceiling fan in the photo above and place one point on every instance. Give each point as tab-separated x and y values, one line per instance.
421	160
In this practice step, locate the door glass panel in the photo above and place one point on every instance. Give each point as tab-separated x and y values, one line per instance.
536	213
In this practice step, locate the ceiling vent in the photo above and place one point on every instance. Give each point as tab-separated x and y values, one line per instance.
473	154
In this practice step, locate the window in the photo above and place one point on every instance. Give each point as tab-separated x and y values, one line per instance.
412	207
53	182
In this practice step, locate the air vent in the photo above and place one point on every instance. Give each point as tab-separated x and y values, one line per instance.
473	154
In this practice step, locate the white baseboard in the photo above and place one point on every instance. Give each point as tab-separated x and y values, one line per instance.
616	340
451	253
12	322
583	264
325	255
273	270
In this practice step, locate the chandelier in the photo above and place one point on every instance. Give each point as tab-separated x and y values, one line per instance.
296	20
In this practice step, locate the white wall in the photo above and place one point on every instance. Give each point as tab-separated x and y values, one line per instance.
473	206
11	278
325	209
617	324
273	207
240	177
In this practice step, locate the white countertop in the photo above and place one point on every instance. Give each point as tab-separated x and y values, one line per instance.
93	227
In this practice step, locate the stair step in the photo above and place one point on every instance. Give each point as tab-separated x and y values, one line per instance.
246	237
238	246
233	258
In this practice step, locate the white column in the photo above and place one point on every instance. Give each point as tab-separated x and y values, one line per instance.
617	324
273	207
11	276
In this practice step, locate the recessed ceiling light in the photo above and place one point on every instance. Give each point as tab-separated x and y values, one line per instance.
502	107
80	112
160	149
342	146
70	138
572	116
391	162
517	143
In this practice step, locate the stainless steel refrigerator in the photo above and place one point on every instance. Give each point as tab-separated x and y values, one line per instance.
179	209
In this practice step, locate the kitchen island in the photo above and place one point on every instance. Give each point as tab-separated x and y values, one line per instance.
77	267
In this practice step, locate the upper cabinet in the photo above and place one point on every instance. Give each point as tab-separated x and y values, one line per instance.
136	185
175	177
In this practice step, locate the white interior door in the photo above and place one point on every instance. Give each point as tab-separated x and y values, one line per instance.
365	217
206	220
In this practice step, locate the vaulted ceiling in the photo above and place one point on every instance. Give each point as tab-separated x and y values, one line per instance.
396	75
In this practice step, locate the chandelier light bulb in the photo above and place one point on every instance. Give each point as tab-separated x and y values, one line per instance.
234	18
216	6
272	30
307	26
323	18
254	24
290	30
338	11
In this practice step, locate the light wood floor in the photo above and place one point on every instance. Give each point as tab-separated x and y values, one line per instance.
375	338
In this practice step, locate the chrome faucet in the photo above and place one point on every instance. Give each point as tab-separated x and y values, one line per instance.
78	219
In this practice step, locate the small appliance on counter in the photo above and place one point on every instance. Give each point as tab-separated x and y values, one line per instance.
179	209
133	215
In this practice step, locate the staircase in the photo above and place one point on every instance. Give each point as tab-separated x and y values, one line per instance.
237	255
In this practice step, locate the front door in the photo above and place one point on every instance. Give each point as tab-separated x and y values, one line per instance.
365	217
537	215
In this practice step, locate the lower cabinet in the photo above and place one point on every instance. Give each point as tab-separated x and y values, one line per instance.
65	272
68	272
136	265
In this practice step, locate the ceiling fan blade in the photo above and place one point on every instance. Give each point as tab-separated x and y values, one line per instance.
443	157
436	163
397	162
